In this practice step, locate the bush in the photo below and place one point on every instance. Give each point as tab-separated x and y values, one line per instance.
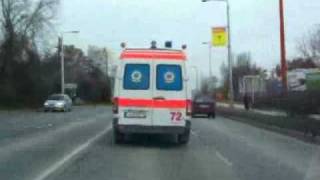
295	103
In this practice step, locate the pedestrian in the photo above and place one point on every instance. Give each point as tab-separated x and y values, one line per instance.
246	101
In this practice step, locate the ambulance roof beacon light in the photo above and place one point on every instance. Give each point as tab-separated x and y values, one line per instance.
168	44
123	45
153	45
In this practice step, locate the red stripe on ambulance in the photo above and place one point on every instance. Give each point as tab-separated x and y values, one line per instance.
123	102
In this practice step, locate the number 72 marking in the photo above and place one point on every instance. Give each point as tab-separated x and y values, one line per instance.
176	116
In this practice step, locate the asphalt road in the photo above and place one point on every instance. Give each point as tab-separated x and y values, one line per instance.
79	146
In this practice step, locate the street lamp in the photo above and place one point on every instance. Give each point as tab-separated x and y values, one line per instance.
197	76
231	96
62	56
210	57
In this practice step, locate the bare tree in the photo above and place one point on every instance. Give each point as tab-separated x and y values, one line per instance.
21	23
26	17
243	66
309	45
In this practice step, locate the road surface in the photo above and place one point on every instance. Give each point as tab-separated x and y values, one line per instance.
79	146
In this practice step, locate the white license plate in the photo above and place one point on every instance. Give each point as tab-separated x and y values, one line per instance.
204	106
135	114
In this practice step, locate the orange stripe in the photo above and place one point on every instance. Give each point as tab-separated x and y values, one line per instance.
153	55
153	52
123	102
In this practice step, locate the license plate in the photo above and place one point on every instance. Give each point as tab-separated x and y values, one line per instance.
135	114
204	106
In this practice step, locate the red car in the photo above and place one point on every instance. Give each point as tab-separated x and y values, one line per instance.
204	105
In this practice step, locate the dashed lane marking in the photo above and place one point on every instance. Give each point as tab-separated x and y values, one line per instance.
224	159
194	133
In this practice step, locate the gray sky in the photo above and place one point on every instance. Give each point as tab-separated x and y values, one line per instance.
255	26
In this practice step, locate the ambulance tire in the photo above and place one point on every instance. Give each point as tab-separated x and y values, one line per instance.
184	138
213	115
118	136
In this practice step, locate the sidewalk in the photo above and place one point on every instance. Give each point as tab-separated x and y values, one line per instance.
264	112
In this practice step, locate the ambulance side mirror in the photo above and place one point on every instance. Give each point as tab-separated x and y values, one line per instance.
119	77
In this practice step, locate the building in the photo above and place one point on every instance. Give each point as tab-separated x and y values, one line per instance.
303	79
253	85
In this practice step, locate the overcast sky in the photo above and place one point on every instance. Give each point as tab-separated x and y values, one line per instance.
254	26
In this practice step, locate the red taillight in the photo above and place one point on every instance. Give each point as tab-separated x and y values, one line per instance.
115	106
189	107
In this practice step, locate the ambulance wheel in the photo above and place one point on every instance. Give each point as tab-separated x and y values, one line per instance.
185	136
118	136
213	115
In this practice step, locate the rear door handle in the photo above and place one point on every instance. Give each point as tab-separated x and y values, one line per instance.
159	98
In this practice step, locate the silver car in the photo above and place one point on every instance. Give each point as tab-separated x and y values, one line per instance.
58	102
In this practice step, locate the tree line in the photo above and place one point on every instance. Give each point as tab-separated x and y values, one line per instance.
29	71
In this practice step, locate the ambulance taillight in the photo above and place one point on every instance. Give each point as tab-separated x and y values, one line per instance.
115	105
189	107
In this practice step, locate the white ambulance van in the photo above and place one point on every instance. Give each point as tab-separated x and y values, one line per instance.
151	94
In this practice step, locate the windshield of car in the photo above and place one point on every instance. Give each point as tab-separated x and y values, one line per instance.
204	99
55	97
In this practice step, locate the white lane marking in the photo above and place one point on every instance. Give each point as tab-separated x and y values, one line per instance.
54	167
26	142
224	159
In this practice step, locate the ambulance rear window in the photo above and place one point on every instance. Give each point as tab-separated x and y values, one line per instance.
169	77
136	77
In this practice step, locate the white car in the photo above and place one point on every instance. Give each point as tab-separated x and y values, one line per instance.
150	94
58	102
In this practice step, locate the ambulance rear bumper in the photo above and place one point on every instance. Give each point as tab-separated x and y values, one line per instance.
141	129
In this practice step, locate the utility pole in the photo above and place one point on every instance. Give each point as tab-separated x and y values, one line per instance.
62	57
231	93
62	62
210	57
230	66
283	47
197	76
210	60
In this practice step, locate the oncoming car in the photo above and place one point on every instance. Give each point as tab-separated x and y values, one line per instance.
58	102
150	94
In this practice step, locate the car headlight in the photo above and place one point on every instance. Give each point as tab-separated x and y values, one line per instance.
46	104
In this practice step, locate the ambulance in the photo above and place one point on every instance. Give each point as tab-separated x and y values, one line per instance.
151	94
